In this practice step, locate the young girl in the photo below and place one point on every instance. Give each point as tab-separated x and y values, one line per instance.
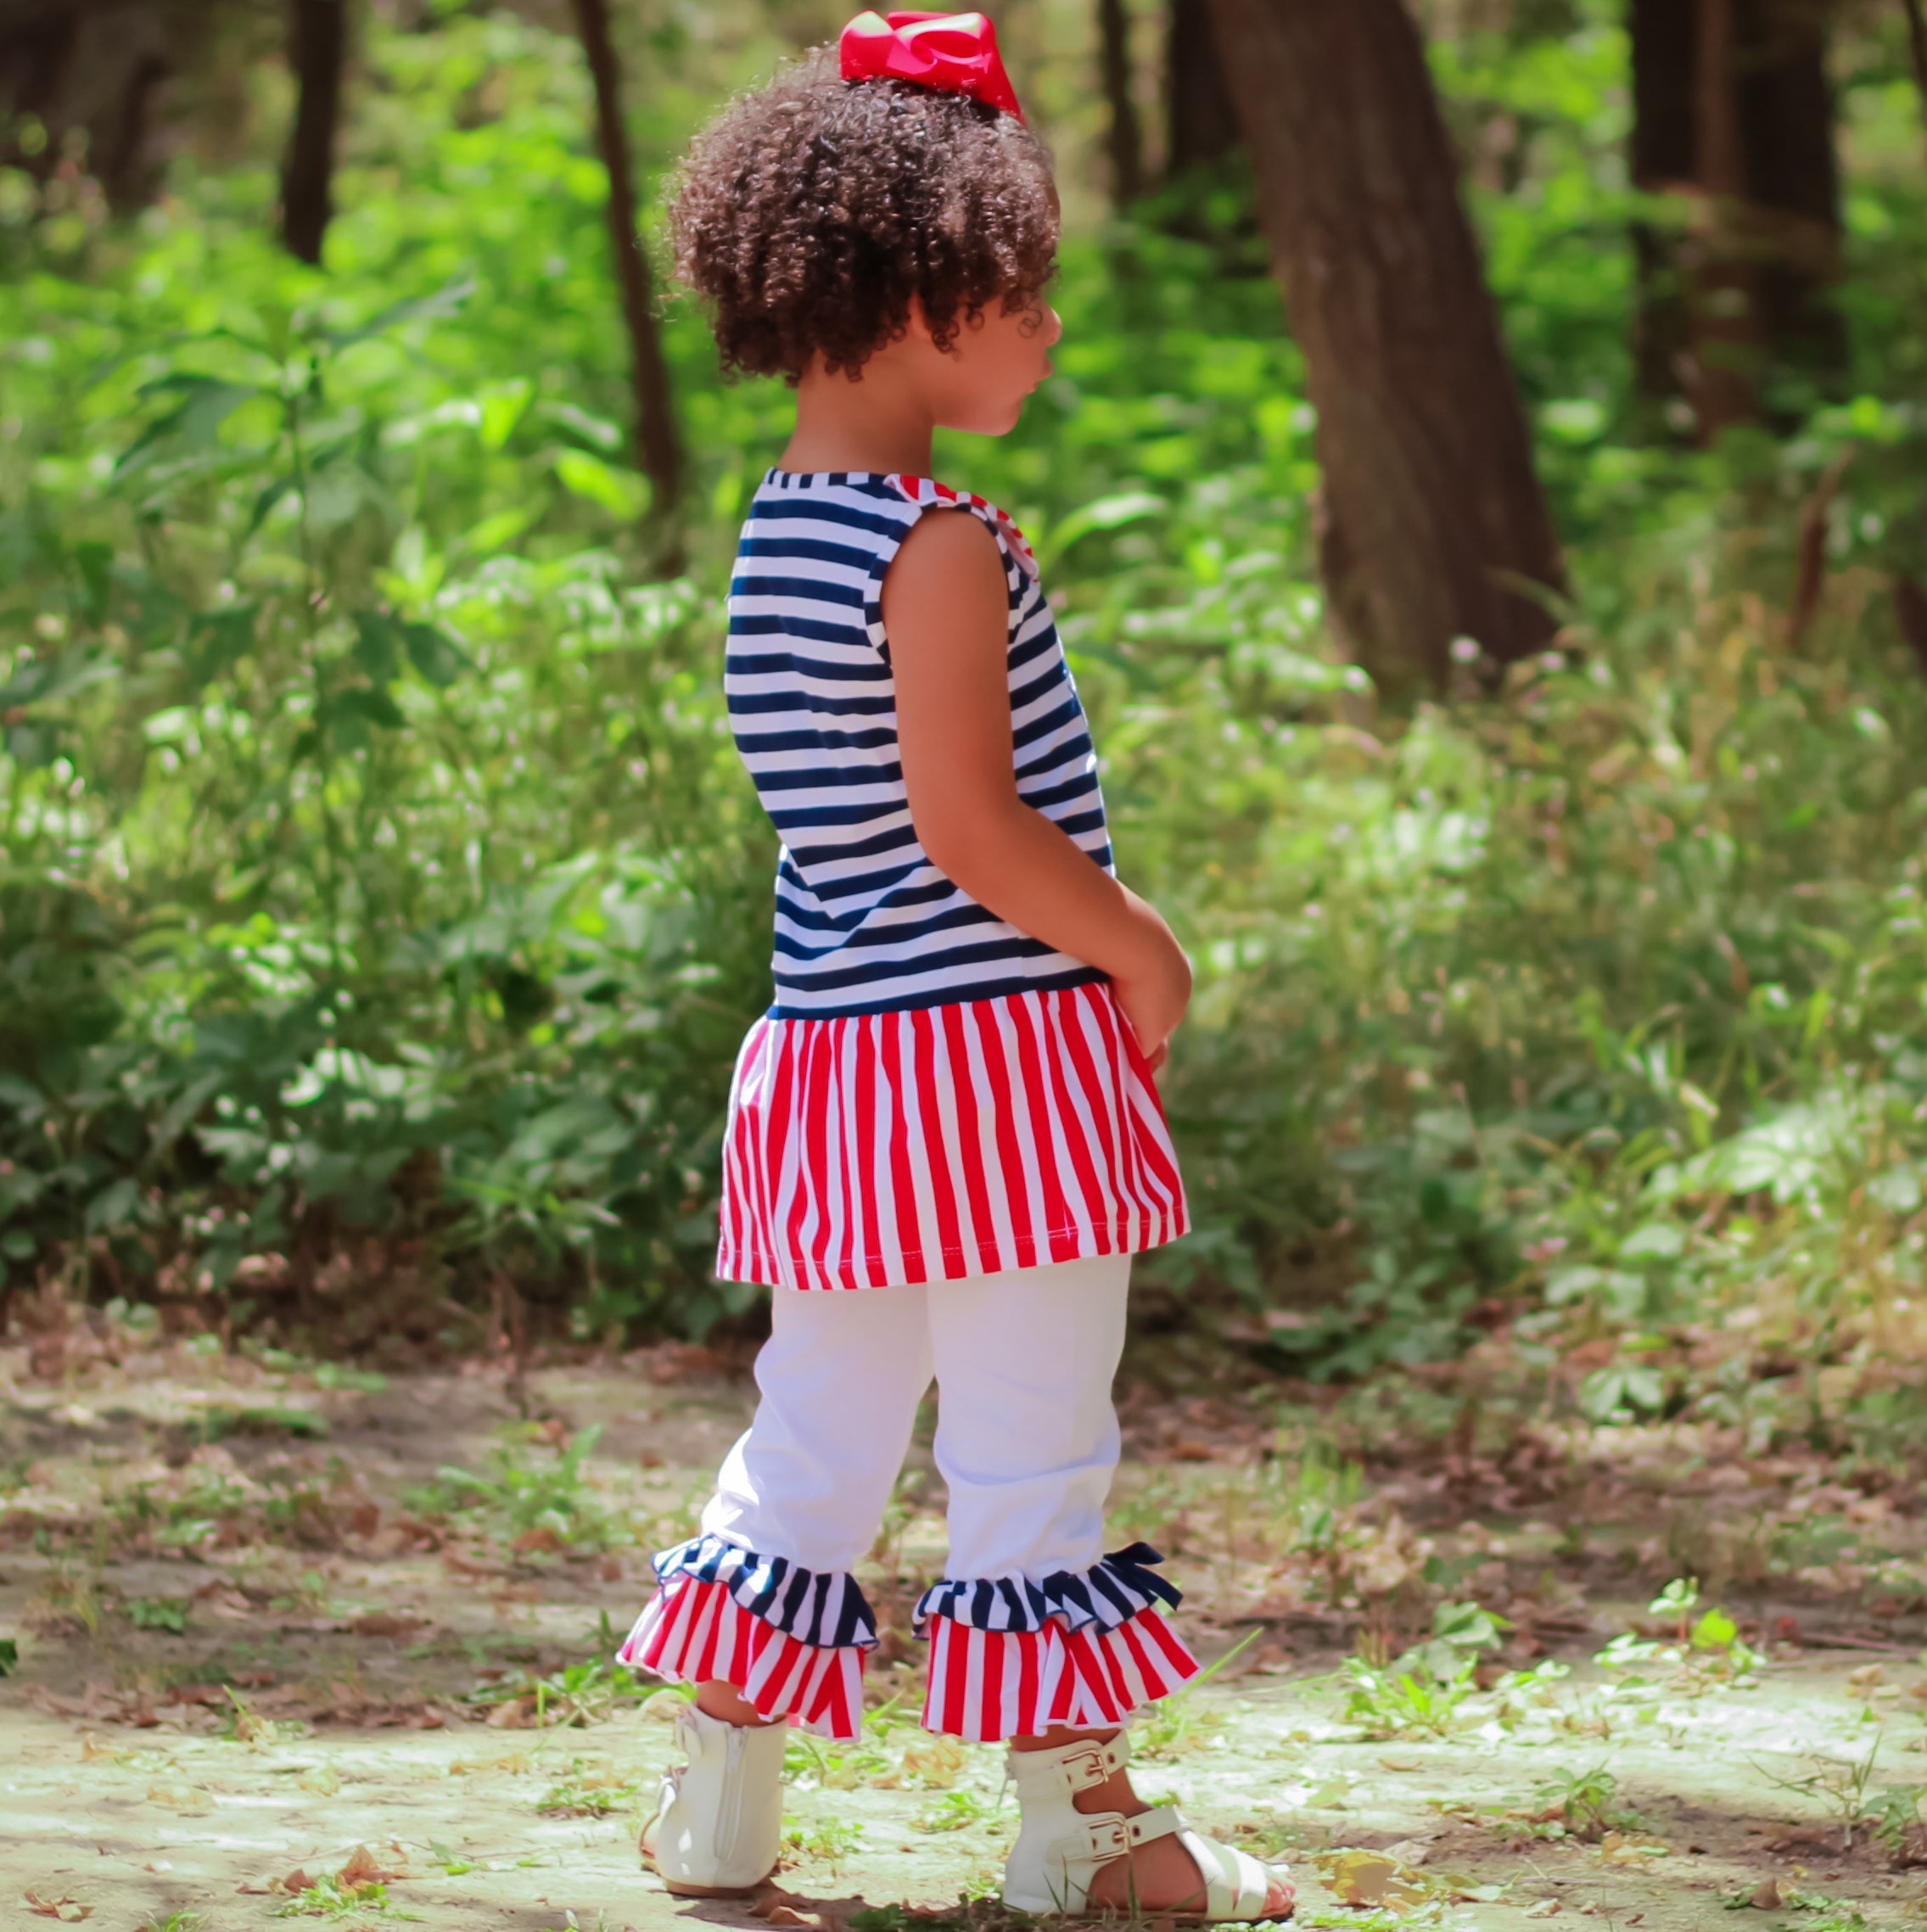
944	1143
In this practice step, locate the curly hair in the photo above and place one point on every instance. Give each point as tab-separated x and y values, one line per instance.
809	213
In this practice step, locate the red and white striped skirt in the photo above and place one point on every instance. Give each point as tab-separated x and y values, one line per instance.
943	1142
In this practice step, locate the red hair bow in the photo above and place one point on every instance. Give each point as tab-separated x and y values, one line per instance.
954	52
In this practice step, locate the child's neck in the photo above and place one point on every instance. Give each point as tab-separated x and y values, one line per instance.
879	423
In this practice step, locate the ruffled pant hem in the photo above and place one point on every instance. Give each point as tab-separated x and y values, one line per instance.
695	1632
987	1686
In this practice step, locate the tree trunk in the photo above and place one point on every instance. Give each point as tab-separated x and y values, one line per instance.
1664	162
97	71
1124	143
658	455
318	55
1792	185
1917	41
1739	291
1720	302
1201	122
1435	526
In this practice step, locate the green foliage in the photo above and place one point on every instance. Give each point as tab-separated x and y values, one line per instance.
1425	1692
577	1694
588	1790
531	1496
331	1898
382	905
170	1614
1587	1802
821	1841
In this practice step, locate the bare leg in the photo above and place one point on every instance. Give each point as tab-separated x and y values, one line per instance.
716	1698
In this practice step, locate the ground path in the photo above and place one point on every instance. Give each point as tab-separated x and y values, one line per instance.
263	1644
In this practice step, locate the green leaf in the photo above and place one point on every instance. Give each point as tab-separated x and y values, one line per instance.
378	645
95	562
438	307
42	680
1107	513
190	427
435	654
217	639
1715	1631
1658	1241
621	492
9	1656
113	1205
348	716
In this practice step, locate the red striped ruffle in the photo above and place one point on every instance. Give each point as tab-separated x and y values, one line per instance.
693	1631
943	1142
988	1685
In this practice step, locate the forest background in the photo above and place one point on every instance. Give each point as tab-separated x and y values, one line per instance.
383	901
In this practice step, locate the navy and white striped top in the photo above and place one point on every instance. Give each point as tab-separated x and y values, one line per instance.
865	922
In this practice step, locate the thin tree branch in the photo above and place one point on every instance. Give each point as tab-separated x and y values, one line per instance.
1125	141
659	456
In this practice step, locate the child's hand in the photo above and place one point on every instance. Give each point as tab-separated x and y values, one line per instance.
1153	997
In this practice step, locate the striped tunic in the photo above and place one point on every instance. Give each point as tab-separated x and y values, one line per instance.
932	1094
865	922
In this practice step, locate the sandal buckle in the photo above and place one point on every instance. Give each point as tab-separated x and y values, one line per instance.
1110	1836
1084	1768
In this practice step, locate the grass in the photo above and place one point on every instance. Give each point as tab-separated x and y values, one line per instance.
587	1693
821	1841
535	1501
332	1898
590	1789
170	1614
956	1811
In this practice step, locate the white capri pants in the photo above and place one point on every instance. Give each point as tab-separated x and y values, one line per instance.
1027	1437
1032	1625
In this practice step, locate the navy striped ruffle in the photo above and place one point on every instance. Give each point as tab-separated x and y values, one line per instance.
1109	1594
826	1609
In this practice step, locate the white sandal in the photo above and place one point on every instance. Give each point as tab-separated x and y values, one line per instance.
1060	1850
718	1830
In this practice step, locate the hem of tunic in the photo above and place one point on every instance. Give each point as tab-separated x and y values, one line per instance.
807	1276
1008	987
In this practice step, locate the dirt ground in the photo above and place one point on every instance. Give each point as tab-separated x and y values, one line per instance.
296	1641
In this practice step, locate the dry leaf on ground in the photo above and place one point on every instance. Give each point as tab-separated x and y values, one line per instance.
363	1869
1372	1878
67	1909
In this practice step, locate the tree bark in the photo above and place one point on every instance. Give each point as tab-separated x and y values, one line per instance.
318	55
1792	184
1200	121
1434	524
1739	291
1917	41
1664	161
657	454
1721	301
97	69
1124	140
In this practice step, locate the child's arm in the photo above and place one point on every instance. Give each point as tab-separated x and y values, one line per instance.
945	607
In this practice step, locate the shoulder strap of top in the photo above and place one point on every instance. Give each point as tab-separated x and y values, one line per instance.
930	495
922	494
